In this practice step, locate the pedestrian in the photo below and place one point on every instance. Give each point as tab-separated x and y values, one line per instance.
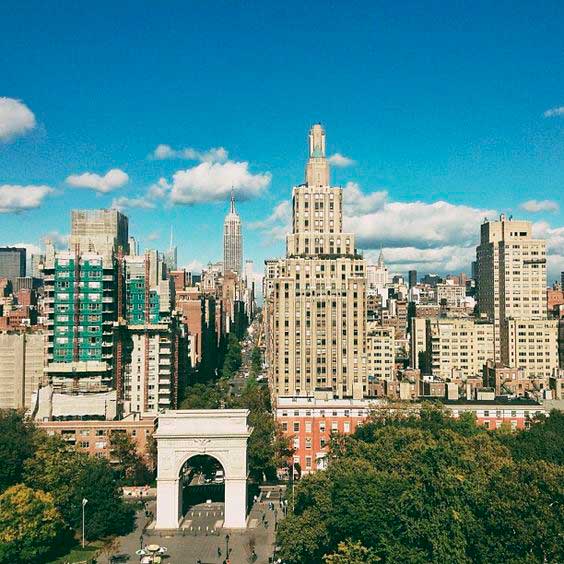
218	551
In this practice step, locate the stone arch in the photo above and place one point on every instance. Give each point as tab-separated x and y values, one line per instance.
182	434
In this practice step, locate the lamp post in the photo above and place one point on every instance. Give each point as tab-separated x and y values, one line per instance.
293	482
227	546
84	502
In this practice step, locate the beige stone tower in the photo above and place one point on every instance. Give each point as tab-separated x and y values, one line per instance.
315	297
511	278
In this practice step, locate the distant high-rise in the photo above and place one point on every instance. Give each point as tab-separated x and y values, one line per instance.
99	231
511	270
511	279
171	255
12	263
232	240
37	262
412	278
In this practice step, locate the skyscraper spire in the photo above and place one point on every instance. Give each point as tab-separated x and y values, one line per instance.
381	257
317	168
232	207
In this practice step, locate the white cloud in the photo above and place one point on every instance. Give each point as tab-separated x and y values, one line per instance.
277	224
213	155
340	161
209	182
60	240
399	224
124	202
15	119
535	206
159	189
194	266
113	179
554	112
450	258
356	202
15	198
153	236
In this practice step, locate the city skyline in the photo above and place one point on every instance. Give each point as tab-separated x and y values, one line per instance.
419	172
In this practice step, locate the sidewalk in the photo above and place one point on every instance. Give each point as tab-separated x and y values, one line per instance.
188	545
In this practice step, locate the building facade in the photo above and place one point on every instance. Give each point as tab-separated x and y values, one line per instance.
232	240
12	263
315	297
21	368
511	275
458	347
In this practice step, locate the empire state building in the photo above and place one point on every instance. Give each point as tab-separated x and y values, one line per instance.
232	240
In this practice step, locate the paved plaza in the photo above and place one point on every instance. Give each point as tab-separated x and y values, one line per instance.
201	535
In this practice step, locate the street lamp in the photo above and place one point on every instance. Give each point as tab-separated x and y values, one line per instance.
84	502
227	546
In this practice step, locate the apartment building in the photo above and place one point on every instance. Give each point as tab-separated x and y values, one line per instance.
458	347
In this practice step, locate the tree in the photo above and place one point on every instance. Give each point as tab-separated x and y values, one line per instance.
543	441
268	448
426	489
16	446
233	358
256	362
69	476
30	525
202	396
129	466
350	552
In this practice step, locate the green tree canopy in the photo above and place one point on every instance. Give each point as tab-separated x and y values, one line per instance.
428	489
130	468
202	396
70	476
16	446
30	525
268	448
543	441
350	552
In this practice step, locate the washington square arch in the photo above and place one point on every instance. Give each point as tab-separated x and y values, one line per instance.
182	435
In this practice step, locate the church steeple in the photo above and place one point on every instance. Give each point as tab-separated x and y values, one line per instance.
317	169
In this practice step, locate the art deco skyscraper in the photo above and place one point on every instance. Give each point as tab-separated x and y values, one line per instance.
232	240
315	297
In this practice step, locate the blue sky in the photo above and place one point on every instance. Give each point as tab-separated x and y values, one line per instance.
434	102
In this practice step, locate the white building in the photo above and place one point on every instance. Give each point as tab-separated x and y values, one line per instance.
232	240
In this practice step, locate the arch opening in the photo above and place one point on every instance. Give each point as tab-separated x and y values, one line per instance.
202	480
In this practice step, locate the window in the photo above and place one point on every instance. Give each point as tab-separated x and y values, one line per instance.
296	427
334	426
308	443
